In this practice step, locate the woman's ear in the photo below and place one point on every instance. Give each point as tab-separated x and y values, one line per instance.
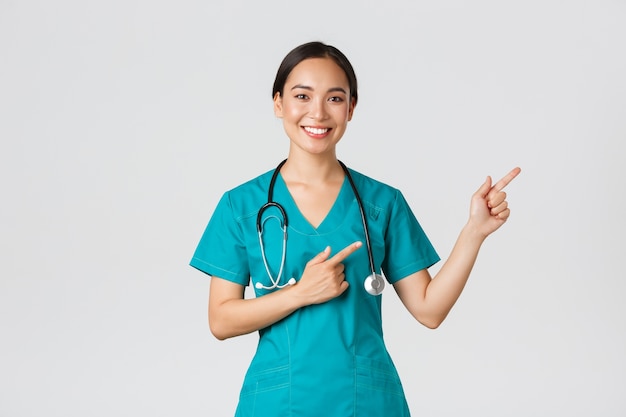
278	105
351	109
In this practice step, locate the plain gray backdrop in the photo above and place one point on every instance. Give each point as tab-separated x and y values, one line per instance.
123	122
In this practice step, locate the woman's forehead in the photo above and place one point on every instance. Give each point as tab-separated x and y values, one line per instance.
320	72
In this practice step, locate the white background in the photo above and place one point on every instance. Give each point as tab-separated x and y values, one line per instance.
123	122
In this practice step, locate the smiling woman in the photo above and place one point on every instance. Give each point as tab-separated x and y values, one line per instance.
321	349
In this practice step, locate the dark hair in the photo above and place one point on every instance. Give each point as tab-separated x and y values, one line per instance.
314	50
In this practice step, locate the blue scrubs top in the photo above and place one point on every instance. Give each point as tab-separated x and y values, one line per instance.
326	359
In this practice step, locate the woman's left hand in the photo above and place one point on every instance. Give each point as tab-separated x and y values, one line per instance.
489	208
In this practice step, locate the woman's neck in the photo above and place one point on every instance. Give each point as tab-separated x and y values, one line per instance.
312	169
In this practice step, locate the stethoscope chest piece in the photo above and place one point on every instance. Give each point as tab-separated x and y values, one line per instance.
374	284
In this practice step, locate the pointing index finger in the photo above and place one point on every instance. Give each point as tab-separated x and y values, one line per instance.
506	179
345	252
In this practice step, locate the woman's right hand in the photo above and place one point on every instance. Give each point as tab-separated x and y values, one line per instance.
323	278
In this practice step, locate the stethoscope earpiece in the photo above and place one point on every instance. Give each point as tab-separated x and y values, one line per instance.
275	284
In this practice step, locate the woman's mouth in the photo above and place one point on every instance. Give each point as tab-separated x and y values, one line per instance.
316	132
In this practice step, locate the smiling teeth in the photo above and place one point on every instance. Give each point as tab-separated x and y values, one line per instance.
315	131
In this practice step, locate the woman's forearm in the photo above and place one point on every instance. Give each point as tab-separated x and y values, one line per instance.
232	315
237	316
445	288
488	211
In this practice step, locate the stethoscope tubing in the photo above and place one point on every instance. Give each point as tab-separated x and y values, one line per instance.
368	245
377	279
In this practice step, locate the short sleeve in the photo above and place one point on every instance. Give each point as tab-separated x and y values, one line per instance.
408	249
221	251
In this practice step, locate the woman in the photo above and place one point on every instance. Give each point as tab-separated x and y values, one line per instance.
321	351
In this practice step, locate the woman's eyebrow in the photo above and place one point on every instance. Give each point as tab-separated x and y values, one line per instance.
303	87
330	90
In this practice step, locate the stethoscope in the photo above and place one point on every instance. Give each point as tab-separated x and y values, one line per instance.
374	283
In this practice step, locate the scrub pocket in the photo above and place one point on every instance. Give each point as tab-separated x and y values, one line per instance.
378	389
265	392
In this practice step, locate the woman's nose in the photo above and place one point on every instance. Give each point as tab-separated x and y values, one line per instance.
318	110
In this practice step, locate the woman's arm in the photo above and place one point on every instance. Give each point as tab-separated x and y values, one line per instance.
230	314
430	300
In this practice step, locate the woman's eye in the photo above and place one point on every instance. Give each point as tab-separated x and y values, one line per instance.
301	96
336	99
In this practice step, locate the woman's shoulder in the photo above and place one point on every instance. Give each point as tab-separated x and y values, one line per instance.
371	188
253	185
246	198
377	195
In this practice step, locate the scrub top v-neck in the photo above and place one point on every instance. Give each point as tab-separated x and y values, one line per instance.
331	221
326	359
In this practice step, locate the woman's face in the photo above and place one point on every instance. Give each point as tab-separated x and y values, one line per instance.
315	106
